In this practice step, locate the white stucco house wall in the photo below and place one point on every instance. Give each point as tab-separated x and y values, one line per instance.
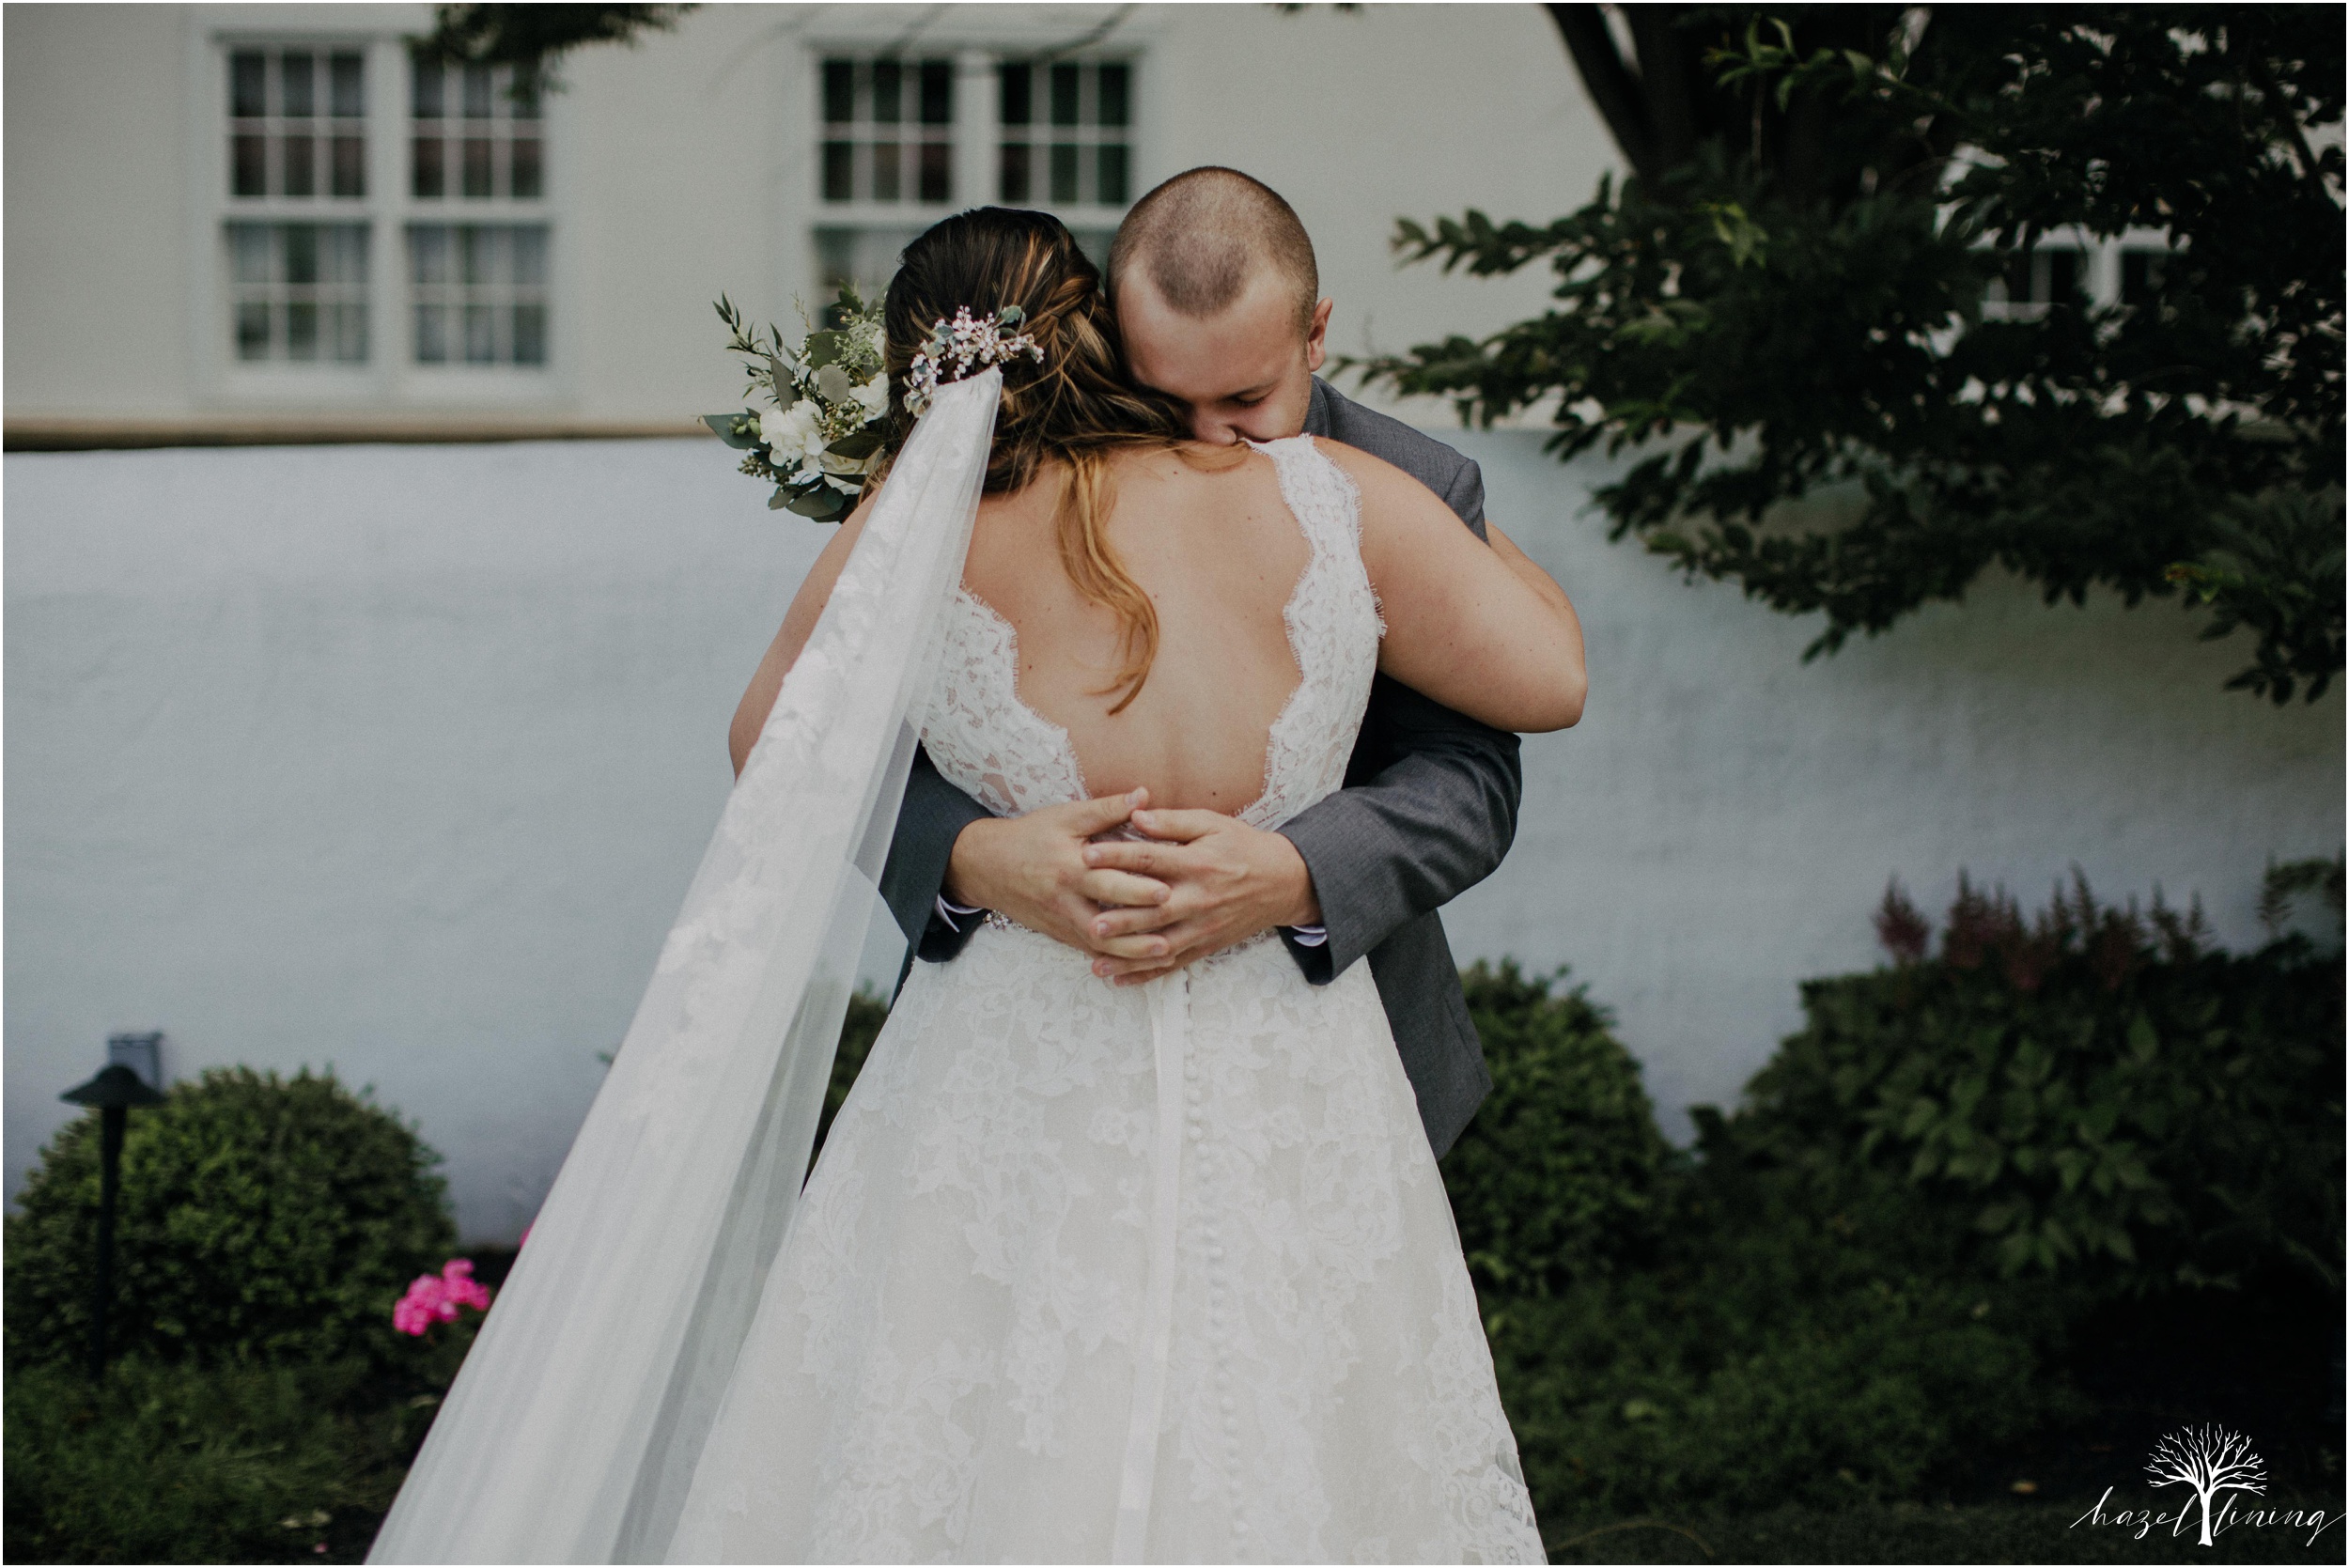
337	733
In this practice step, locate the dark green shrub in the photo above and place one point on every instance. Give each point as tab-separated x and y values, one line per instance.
1555	1180
261	1219
1827	1307
2096	1093
1785	1343
203	1464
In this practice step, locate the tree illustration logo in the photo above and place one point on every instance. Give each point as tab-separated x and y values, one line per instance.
2211	1460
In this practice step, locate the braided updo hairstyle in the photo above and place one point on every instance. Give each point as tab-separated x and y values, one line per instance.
1077	407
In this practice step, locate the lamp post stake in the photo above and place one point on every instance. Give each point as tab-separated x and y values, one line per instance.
112	1119
112	1094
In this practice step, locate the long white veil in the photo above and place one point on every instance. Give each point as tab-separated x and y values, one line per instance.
572	1432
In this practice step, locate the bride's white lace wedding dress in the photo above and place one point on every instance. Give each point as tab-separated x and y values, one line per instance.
1090	1274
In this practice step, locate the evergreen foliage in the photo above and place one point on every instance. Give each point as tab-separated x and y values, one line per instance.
1556	1179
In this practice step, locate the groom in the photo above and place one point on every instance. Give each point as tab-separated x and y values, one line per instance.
1216	296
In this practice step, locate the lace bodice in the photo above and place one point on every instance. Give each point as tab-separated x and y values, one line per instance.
1012	759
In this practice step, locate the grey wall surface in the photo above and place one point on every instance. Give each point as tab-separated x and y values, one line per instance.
399	759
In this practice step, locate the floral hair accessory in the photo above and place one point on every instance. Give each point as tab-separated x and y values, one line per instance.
967	342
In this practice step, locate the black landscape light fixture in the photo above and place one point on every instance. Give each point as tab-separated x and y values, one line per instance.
113	1093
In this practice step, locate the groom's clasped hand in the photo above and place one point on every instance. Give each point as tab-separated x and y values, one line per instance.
1169	888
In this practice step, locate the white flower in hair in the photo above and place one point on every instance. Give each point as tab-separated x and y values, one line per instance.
958	347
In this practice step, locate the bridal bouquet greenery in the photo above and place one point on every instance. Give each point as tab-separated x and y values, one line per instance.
820	441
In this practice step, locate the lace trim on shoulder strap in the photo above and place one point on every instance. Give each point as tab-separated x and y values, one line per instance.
979	732
1333	627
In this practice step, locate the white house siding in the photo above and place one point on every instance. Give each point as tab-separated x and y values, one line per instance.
400	759
685	166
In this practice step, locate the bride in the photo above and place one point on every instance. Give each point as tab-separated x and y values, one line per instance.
1085	1273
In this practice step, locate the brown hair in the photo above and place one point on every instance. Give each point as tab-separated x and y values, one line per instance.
1202	235
1077	407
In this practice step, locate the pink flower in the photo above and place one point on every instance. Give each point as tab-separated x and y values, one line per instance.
434	1297
458	1285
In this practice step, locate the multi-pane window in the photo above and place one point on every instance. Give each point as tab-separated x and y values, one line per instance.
299	291
479	293
298	142
353	215
1066	137
2035	279
896	133
297	123
2141	274
888	131
476	147
474	133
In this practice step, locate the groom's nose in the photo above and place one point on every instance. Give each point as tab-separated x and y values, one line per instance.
1228	427
1215	430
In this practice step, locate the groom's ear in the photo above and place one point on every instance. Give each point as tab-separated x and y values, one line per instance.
1318	334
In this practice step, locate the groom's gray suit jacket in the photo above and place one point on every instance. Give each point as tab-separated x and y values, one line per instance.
1429	808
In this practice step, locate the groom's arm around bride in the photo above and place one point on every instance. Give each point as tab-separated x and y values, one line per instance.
1216	293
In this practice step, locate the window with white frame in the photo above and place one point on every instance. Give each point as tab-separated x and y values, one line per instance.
2071	268
474	133
301	291
297	235
298	122
478	238
1065	134
2035	280
479	293
889	132
899	138
2141	270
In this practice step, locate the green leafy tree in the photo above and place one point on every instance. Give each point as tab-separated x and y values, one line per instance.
1845	259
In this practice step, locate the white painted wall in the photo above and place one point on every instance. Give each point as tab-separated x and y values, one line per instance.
400	758
397	758
1723	821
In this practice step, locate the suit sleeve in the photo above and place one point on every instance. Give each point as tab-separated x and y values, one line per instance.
1428	810
1466	496
933	815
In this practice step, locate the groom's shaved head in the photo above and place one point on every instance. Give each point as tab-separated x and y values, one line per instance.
1216	300
1202	235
